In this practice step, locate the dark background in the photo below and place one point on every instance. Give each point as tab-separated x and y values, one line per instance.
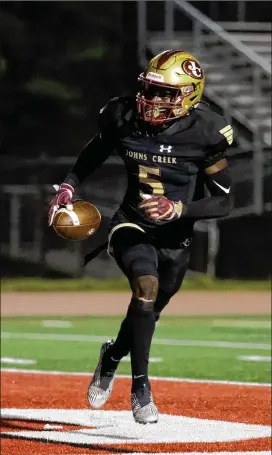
60	62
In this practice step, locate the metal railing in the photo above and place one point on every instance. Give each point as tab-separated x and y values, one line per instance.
239	9
199	18
246	26
27	236
200	21
238	79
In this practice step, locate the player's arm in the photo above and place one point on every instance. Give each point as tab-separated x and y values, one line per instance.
217	205
93	155
98	149
91	158
216	176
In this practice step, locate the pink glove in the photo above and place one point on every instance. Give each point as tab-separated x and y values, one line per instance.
161	208
63	197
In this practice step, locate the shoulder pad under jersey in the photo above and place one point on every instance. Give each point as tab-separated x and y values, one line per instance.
217	131
115	115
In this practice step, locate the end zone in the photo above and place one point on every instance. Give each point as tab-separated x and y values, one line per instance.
47	413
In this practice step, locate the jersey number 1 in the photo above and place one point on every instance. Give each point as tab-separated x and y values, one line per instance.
144	177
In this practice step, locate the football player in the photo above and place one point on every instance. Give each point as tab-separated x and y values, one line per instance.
173	146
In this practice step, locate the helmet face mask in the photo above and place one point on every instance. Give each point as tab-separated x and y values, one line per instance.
170	86
159	103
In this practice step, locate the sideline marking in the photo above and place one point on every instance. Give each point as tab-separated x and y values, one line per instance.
56	323
255	358
160	341
126	376
11	360
151	359
241	323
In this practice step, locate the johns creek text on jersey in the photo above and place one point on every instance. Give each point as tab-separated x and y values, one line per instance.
155	158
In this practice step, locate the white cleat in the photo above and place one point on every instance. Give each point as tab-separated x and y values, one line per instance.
101	386
143	407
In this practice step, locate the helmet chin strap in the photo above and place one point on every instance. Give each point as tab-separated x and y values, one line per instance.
156	128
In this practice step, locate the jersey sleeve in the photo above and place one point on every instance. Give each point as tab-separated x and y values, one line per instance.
220	138
108	119
98	149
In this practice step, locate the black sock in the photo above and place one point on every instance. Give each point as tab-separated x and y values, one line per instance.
109	364
119	349
135	336
121	346
142	329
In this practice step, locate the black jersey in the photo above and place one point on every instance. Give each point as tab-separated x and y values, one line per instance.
168	161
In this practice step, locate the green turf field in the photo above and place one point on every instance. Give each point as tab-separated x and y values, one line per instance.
197	352
198	282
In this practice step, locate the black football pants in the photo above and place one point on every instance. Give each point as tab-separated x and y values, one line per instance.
136	256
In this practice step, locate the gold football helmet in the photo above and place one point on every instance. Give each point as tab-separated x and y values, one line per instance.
170	86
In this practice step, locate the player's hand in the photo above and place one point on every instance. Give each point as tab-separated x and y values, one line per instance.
160	208
63	197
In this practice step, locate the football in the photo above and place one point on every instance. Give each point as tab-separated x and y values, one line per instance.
79	223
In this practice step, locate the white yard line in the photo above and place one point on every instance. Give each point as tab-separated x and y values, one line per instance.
255	358
14	361
56	323
154	378
151	359
159	341
241	323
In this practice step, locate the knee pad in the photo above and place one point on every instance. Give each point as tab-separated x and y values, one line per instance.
142	260
141	267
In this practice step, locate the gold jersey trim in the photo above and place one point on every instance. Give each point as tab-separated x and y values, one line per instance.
227	131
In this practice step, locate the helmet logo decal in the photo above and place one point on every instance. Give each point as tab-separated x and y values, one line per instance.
192	68
155	77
